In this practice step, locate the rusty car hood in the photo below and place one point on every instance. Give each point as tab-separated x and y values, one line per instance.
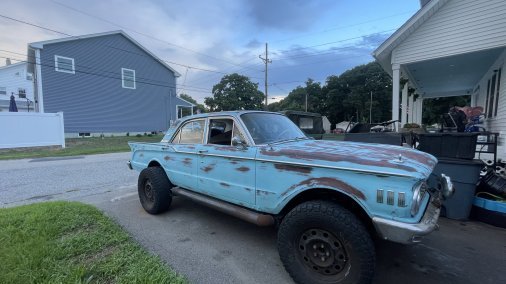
362	157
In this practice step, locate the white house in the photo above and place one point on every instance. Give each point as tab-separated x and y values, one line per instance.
15	80
450	48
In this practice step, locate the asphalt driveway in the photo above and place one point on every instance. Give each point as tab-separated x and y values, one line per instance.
210	247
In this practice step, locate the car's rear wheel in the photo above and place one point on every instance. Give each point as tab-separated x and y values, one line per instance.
154	190
321	242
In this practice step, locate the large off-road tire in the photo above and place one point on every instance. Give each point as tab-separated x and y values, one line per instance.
322	242
154	190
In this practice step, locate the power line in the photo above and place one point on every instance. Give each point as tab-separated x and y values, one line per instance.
333	28
141	33
88	67
101	75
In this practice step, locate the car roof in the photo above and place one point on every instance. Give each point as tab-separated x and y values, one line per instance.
235	113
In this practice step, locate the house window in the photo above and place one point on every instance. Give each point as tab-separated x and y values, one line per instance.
64	64
127	78
493	91
3	90
22	93
497	92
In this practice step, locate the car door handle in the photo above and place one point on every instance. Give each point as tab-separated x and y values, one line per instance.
202	151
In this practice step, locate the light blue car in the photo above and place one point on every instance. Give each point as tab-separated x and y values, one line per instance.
328	198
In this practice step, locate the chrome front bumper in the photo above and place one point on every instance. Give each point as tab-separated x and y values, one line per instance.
407	233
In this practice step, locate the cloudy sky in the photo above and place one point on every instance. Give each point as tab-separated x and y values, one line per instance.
204	40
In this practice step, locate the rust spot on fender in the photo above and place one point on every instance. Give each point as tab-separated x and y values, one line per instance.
243	169
208	168
263	192
293	168
167	158
328	182
187	161
233	162
224	184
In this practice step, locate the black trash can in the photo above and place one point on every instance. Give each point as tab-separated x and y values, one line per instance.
465	175
449	145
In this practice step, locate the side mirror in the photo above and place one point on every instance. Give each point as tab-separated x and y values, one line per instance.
237	141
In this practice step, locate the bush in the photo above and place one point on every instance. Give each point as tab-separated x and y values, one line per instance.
138	135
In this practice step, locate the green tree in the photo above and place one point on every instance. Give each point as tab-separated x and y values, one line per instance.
349	95
235	92
433	109
198	106
296	99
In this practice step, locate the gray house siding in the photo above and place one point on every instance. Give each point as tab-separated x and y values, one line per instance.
93	99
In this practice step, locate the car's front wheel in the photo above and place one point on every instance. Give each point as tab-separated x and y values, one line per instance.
322	242
154	190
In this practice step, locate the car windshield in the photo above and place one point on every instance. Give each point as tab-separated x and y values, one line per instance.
270	127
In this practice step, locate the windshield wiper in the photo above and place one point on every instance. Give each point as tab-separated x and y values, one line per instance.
289	140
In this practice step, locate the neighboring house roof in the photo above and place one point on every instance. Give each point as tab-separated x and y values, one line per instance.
12	65
185	101
384	52
40	45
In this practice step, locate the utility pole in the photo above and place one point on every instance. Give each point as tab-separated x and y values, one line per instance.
266	61
306	101
370	110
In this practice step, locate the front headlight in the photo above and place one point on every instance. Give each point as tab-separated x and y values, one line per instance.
418	193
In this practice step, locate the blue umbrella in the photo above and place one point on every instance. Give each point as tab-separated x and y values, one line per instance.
12	105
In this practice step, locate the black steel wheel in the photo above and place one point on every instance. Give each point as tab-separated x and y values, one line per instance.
322	242
154	190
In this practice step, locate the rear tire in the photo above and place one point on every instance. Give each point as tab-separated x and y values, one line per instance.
322	242
154	190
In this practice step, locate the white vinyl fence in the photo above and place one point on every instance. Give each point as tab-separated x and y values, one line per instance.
31	129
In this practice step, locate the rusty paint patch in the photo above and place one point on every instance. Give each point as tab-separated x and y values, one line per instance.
335	157
208	168
167	158
247	189
187	161
224	184
262	192
293	168
243	169
327	182
234	162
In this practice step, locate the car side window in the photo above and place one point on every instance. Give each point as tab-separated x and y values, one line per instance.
190	133
220	131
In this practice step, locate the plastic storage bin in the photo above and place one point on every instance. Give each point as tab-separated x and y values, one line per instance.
448	145
465	174
489	211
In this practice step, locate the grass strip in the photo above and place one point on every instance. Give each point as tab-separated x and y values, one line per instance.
70	242
79	146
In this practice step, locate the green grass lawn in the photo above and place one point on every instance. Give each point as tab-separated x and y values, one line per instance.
79	146
70	242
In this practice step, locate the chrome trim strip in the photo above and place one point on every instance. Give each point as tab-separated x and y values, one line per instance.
379	195
401	199
390	197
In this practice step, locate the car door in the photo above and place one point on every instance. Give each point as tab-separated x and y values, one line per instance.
226	171
180	156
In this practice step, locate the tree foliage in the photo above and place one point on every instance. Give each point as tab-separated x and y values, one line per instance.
345	96
434	108
235	92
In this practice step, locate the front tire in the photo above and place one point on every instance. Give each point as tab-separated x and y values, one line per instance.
322	242
154	190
